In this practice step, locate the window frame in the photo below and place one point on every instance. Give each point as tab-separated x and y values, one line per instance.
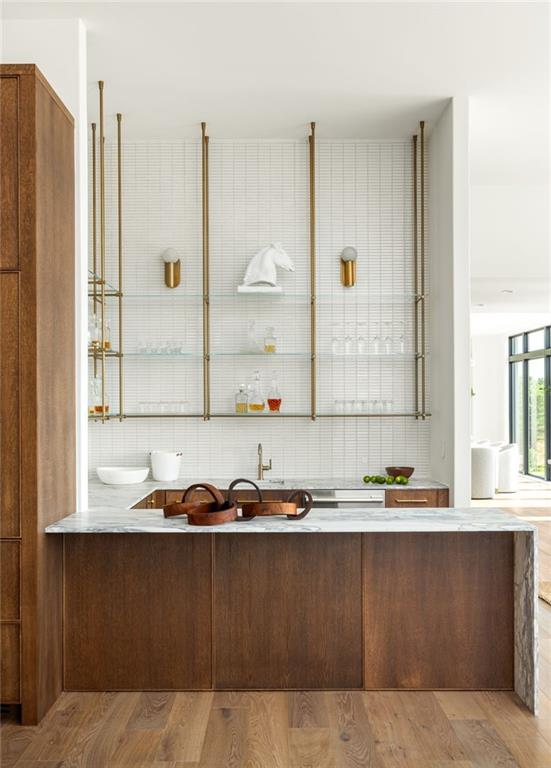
523	357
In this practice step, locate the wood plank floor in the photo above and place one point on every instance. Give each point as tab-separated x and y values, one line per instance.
293	730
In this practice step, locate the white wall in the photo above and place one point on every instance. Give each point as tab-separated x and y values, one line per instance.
448	188
490	416
58	48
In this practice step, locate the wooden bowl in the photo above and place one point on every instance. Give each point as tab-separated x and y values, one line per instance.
404	471
213	512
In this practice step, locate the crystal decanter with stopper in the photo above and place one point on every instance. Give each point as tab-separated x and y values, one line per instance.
274	396
256	400
270	341
241	400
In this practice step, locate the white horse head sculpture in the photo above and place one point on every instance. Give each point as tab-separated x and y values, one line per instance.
262	266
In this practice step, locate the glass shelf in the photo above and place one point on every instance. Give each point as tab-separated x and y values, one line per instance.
262	415
371	297
370	415
163	355
267	414
395	356
97	353
351	358
93	278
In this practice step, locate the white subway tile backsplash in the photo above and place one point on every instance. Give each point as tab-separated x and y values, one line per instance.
259	194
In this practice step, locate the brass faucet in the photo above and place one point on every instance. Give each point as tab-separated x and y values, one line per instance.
261	466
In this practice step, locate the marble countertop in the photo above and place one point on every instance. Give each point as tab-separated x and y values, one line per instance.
110	512
126	496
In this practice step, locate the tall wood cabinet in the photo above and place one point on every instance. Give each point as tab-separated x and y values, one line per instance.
37	381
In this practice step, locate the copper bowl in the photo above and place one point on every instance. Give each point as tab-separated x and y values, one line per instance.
404	471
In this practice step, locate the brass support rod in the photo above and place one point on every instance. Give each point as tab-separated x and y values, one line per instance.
119	234
422	255
94	236
102	240
206	281
313	330
415	276
94	216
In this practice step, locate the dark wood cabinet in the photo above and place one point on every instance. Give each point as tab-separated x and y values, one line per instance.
414	497
9	663
252	611
137	612
10	167
37	380
438	610
10	413
287	611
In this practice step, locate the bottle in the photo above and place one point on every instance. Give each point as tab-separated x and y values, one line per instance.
100	407
107	335
91	397
256	400
241	400
274	397
253	345
270	341
93	335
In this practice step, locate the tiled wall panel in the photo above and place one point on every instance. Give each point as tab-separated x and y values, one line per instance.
259	194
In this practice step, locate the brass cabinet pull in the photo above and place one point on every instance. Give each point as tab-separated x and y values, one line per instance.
411	501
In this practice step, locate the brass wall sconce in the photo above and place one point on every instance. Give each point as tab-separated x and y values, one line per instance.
171	258
348	266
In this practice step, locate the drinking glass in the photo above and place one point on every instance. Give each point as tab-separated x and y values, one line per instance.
399	340
362	338
387	343
349	339
376	340
336	340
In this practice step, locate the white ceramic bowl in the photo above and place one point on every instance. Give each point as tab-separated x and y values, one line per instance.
122	475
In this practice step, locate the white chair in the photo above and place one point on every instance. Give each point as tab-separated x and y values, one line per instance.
497	445
507	475
483	472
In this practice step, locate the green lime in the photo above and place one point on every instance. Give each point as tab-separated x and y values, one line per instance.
389	480
405	481
400	479
367	478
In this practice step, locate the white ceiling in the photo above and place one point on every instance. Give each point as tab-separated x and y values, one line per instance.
357	69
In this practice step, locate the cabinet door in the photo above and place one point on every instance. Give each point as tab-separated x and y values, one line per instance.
410	497
287	611
9	172
9	664
9	405
137	612
9	580
438	610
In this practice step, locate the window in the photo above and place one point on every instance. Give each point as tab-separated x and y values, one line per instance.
536	418
536	340
530	400
517	399
517	344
